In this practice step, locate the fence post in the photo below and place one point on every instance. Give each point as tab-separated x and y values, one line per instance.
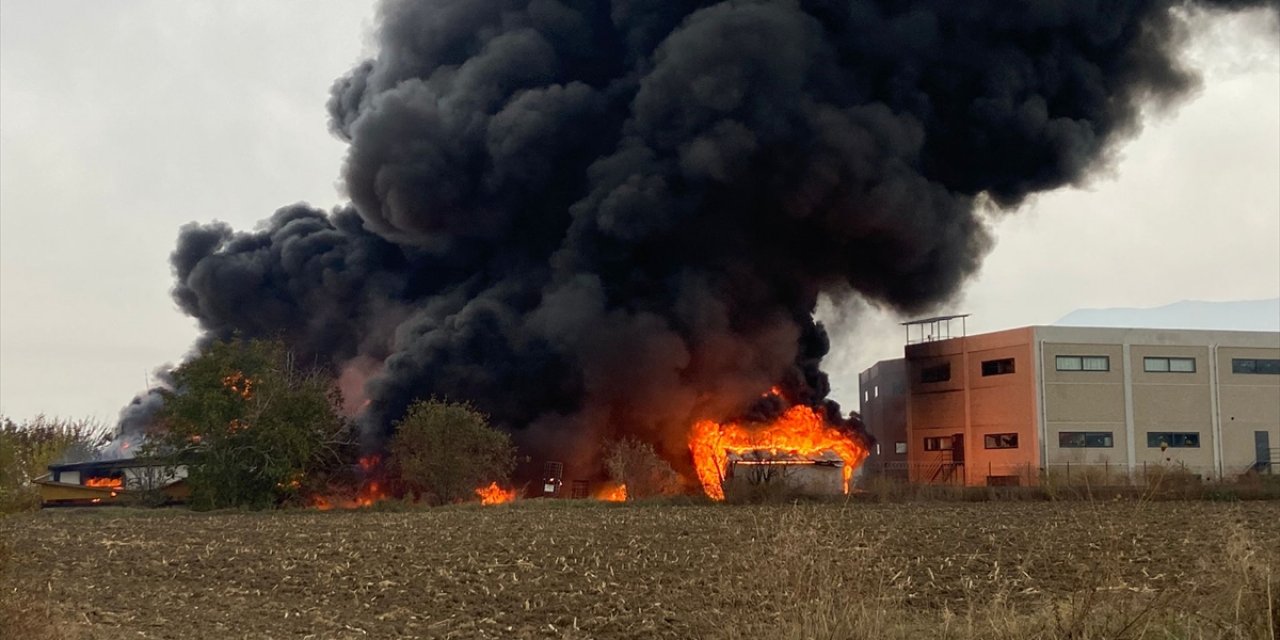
1068	472
1106	472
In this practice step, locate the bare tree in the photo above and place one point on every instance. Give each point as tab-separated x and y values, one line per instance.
635	464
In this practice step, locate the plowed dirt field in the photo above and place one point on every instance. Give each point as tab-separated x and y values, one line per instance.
591	570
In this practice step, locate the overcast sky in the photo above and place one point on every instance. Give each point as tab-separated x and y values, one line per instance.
119	122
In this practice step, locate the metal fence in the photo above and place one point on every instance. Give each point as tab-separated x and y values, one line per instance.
1101	474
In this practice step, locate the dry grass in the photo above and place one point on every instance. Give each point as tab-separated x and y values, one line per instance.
580	569
1088	485
1232	591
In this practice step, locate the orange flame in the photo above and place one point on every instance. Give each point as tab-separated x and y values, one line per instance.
493	494
238	383
370	491
106	483
799	432
612	493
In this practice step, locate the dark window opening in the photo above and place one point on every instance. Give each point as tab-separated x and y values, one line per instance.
1255	365
936	373
1000	441
1085	440
997	367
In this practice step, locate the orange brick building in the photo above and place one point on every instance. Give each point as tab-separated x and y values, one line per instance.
1011	406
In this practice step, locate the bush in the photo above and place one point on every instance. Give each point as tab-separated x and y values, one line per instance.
28	448
443	451
636	465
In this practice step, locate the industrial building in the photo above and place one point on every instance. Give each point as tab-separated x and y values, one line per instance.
1016	406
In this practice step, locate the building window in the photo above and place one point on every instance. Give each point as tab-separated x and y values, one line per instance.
899	447
1000	441
997	367
1169	365
1174	439
936	373
1085	440
866	396
1255	365
1083	363
875	393
942	443
877	448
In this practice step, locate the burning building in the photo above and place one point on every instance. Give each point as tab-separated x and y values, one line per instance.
815	475
798	448
601	219
104	482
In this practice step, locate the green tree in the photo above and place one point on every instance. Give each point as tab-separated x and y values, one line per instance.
445	450
253	429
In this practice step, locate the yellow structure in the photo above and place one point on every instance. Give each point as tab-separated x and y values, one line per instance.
103	482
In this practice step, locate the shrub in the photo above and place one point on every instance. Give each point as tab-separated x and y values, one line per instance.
635	464
28	448
443	451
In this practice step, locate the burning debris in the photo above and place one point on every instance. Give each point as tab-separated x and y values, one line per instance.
493	494
595	220
371	488
612	492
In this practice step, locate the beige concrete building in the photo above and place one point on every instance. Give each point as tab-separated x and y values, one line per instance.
1010	406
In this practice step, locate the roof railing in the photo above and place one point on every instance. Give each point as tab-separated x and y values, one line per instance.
934	329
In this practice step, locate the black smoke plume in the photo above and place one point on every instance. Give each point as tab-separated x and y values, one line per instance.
592	217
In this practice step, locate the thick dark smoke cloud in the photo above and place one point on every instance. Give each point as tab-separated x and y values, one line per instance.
593	217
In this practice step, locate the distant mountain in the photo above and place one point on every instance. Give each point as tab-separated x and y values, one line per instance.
1236	315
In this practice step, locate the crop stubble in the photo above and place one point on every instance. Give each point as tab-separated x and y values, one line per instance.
591	570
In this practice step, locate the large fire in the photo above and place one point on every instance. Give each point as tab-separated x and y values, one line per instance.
612	493
799	432
105	483
493	494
